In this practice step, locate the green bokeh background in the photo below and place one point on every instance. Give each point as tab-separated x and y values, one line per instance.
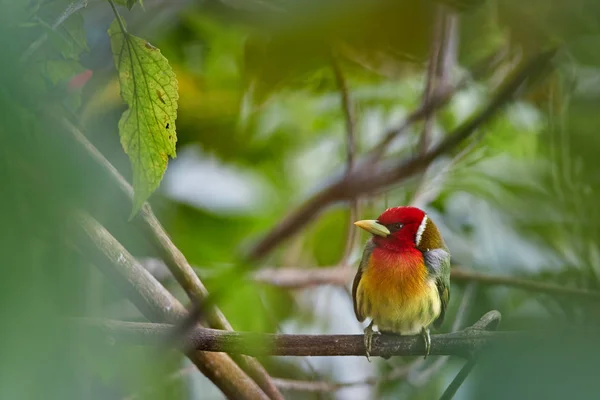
260	129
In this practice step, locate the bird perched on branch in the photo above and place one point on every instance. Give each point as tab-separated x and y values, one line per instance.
403	281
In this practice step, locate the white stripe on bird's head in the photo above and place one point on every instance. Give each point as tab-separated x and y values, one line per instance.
421	229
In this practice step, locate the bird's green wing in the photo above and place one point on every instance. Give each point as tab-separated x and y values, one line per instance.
437	262
364	263
444	292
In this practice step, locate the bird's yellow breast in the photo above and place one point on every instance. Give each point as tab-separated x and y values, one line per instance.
397	295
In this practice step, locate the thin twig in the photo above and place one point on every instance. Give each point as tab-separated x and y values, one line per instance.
350	122
443	48
439	100
372	177
303	278
489	322
118	17
437	48
459	274
459	379
348	111
460	344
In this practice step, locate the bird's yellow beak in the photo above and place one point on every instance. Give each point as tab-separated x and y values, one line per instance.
374	227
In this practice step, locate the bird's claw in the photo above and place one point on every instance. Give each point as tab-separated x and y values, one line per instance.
427	340
369	339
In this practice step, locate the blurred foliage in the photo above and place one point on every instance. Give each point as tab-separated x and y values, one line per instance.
260	129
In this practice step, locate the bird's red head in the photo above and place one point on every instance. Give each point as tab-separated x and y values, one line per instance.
398	228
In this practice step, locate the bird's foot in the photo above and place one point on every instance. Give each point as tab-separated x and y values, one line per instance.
427	340
369	339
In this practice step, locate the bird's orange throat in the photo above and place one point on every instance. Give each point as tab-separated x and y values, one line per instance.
396	274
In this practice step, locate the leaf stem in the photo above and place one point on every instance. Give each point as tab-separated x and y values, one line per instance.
118	17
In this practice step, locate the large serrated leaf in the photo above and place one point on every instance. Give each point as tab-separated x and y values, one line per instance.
147	127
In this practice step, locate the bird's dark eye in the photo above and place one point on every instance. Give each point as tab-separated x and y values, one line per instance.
397	226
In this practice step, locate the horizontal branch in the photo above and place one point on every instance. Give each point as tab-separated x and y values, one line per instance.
459	274
461	344
302	278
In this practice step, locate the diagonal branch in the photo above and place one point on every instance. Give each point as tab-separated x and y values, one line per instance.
489	322
156	303
461	344
370	177
173	257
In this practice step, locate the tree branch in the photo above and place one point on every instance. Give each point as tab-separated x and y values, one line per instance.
459	274
174	259
156	303
302	278
460	344
369	177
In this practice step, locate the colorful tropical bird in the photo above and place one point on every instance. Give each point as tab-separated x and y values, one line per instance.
403	281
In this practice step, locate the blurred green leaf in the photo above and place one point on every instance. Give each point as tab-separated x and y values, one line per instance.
64	26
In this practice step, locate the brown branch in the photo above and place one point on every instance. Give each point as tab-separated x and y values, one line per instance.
439	100
369	178
460	344
156	303
302	278
459	274
174	259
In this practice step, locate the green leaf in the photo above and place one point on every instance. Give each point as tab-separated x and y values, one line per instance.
147	127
